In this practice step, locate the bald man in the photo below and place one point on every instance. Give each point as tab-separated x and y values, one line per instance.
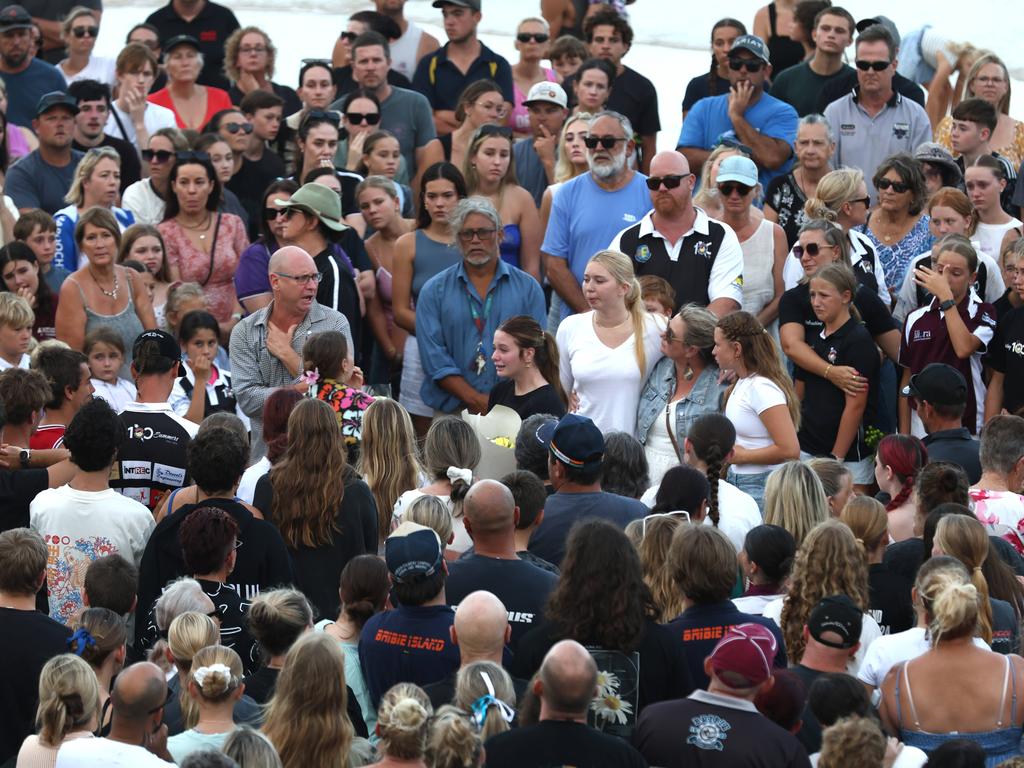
699	257
266	347
566	686
523	588
138	709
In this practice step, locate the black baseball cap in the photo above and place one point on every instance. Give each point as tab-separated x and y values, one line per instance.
56	99
837	615
575	441
179	40
938	384
14	17
473	5
166	346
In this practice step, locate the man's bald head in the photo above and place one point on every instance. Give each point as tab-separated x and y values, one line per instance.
481	626
669	163
138	691
291	260
490	508
568	677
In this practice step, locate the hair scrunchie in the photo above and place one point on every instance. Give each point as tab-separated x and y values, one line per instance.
458	473
81	640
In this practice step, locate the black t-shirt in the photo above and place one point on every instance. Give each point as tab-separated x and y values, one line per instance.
1005	627
958	446
702	86
131	166
318	569
292	103
823	402
1006	355
28	640
338	291
1002	304
17	490
787	200
261	683
634	96
521	586
250	182
560	743
889	599
795	307
541	400
842	85
905	557
211	28
152	460
810	732
443	691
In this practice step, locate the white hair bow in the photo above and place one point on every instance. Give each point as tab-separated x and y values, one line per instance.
457	473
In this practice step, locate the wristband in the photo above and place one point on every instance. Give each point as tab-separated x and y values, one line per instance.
827	369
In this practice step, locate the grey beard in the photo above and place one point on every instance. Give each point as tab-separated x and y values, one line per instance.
608	171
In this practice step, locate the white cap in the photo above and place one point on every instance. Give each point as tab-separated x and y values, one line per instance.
552	93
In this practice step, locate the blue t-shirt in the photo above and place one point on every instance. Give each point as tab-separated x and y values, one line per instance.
34	183
708	123
585	218
562	510
25	89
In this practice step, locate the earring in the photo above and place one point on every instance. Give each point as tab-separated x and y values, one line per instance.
688	373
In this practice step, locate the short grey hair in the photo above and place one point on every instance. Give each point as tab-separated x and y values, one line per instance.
818	119
181	596
471	205
627	127
1002	444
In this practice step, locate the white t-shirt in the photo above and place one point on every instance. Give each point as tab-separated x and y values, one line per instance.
99	68
737	511
104	753
751	397
754	604
990	236
118	395
154	118
251	476
607	381
460	543
25	363
889	650
909	757
144	203
869	633
79	527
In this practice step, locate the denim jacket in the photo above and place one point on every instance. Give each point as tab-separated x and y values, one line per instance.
705	397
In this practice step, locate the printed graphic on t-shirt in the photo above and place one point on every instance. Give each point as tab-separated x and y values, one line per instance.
412	642
708	732
614	709
66	563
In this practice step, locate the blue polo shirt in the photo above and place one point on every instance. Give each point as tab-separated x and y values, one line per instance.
442	82
447	334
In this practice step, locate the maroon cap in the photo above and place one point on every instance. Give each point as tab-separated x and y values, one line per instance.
745	652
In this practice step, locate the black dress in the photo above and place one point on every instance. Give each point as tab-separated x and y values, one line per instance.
541	400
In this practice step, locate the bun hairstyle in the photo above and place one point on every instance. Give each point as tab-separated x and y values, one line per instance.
69	698
952	604
277	618
620	267
966	539
941	482
772	549
453	741
835	188
216	672
402	721
711	438
866	517
527	334
450	442
364	588
98	634
480	689
905	456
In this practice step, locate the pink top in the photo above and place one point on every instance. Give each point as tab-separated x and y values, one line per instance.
520	119
17	144
194	264
216	100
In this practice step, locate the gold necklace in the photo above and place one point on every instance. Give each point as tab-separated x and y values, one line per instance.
204	225
111	293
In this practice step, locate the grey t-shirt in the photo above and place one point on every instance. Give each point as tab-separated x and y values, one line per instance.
530	170
24	90
34	183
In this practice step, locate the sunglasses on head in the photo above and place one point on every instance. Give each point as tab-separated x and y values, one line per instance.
356	118
683	516
321	115
751	65
897	186
490	129
671	182
81	32
192	157
607	142
878	66
728	187
537	37
236	127
811	249
159	155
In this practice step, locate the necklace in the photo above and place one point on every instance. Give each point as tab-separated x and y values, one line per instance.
111	293
197	228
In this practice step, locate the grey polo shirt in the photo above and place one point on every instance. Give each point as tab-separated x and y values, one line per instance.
863	141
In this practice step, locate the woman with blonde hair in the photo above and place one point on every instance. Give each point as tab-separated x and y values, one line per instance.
485	692
431	512
916	704
79	31
276	620
69	706
853	742
250	748
388	462
189	633
828	562
100	639
403	721
307	718
607	354
249	60
572	152
794	499
836	482
454	741
655	539
215	684
888	592
324	511
761	403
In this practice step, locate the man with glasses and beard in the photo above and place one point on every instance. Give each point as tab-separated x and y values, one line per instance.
700	258
27	78
746	115
589	211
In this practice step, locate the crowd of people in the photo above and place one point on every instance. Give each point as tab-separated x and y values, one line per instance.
767	389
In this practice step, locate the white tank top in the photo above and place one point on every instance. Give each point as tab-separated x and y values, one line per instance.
758	259
403	51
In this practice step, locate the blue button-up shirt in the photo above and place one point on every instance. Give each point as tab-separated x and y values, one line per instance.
447	335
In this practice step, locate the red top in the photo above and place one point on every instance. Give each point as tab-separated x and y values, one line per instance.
47	436
216	100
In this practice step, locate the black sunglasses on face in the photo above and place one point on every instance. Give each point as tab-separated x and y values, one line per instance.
370	118
159	155
670	182
81	32
607	142
866	200
727	188
878	66
751	65
236	127
350	36
897	186
269	214
537	37
811	249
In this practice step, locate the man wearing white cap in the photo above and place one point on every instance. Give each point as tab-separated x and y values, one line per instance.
535	160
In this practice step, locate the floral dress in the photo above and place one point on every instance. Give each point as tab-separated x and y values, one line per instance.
896	258
349	405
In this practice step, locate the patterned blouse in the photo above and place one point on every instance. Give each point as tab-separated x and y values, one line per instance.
348	404
896	258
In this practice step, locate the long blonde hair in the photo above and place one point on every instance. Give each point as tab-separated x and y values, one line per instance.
69	698
795	499
966	539
987	57
654	547
564	169
188	634
620	267
307	718
388	460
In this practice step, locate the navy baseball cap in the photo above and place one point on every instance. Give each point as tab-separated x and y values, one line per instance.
575	441
753	44
56	99
938	384
413	553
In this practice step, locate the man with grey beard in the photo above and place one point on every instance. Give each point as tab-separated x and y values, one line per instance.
590	210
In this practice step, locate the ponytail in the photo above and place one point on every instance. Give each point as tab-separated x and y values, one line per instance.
547	363
966	539
527	333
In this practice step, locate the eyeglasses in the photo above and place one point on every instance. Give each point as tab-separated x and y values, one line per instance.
236	127
680	513
991	80
157	155
670	182
483	234
253	49
751	65
192	157
315	277
811	249
727	188
536	37
897	186
878	66
356	118
607	142
81	32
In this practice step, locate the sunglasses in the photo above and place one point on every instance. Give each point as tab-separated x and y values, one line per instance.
236	127
370	118
671	182
270	214
866	200
321	115
751	65
483	234
607	142
896	186
349	36
536	37
192	157
878	66
159	155
682	514
811	249
81	32
490	129
726	189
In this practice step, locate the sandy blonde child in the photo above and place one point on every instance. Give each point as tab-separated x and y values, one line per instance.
105	350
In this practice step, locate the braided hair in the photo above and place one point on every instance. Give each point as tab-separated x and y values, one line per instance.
711	438
905	456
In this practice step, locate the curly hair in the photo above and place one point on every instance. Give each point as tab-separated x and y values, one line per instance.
207	537
624	468
403	718
653	549
829	562
231	48
596	604
853	742
453	741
